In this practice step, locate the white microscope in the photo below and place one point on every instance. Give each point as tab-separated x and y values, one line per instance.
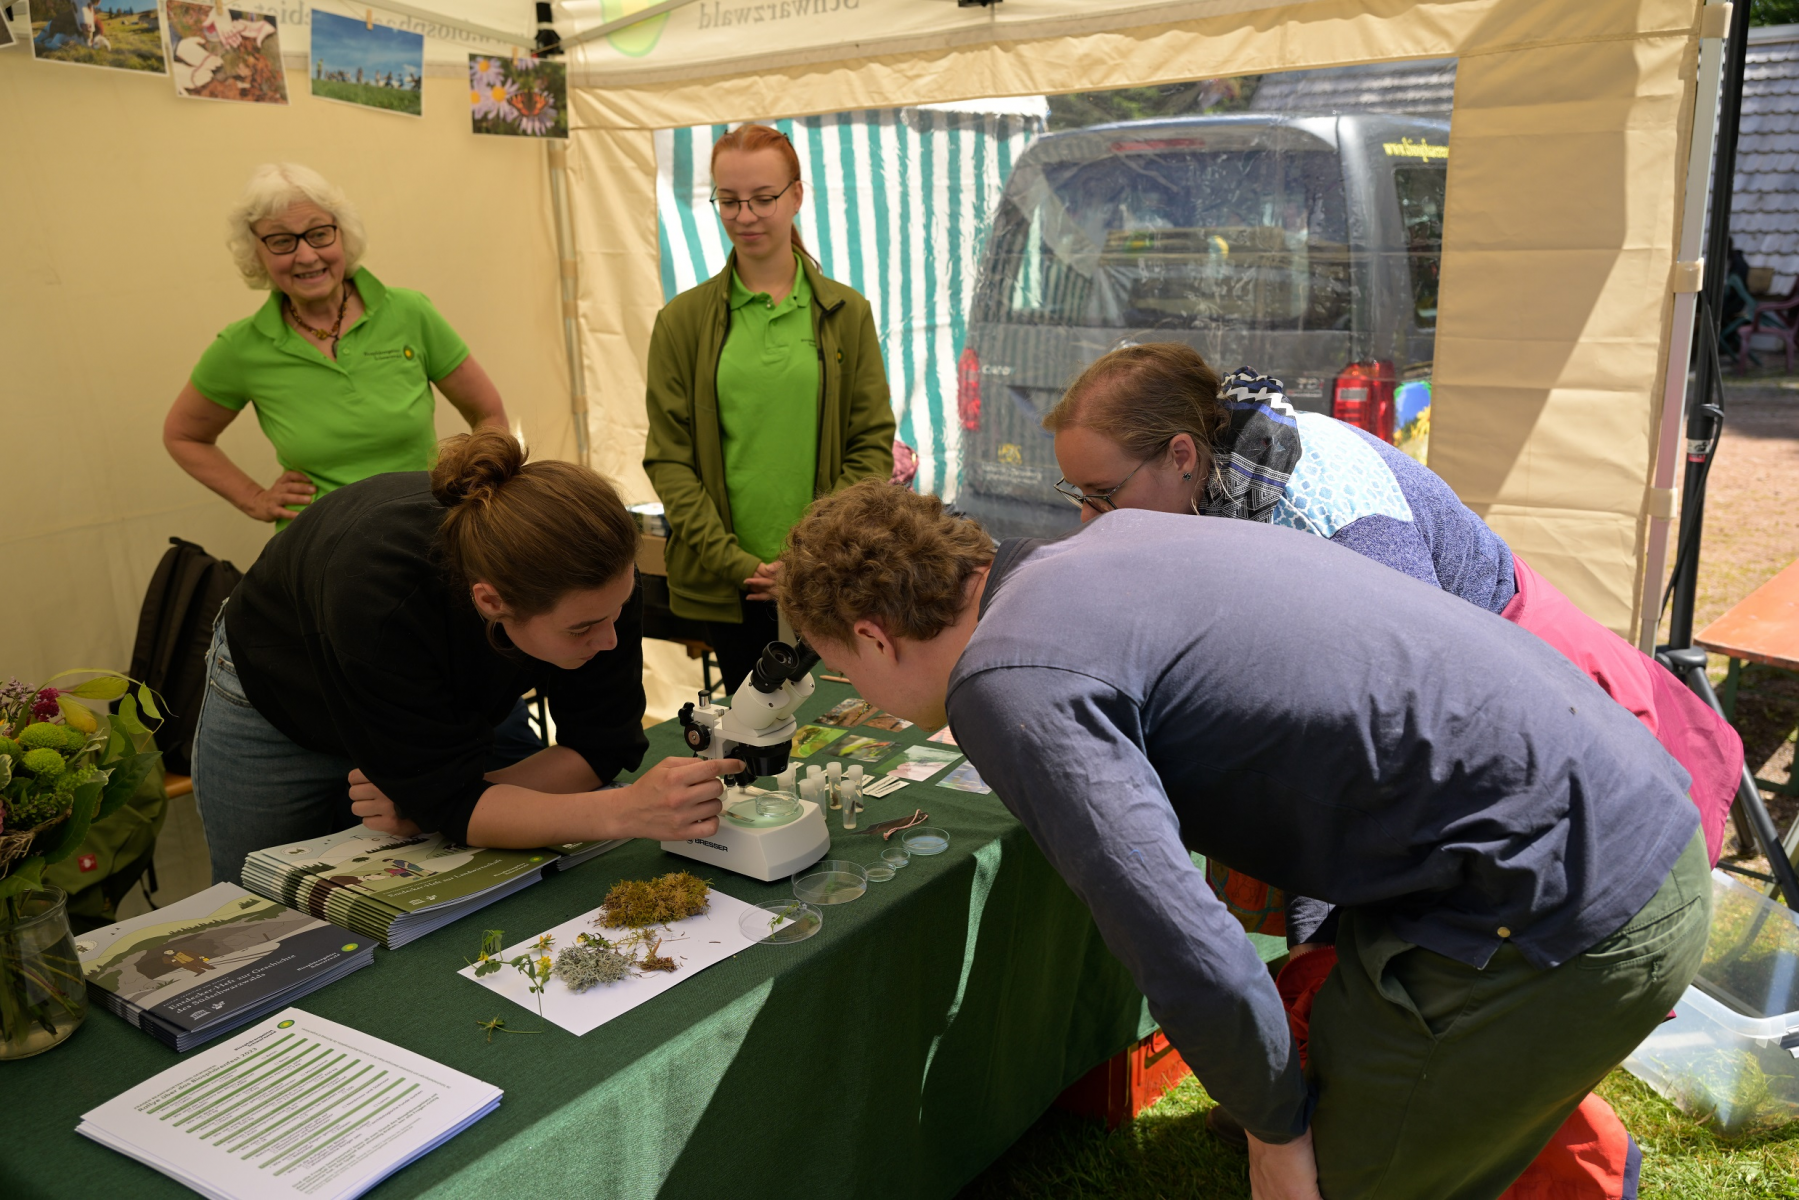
765	835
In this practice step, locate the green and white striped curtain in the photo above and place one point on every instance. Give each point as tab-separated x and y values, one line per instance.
898	206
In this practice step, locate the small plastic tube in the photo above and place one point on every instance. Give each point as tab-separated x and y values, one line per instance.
809	790
788	780
855	772
850	798
834	779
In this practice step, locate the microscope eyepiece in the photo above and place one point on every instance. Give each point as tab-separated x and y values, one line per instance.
774	668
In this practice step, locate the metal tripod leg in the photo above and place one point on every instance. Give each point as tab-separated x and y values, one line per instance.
1689	664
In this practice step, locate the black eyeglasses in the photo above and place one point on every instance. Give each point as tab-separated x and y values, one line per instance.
318	237
1099	502
761	206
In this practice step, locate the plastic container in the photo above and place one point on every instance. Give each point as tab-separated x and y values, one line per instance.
1728	1054
830	881
879	873
779	922
924	840
896	857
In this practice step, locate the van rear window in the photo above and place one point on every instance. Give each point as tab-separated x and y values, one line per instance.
1175	239
1420	191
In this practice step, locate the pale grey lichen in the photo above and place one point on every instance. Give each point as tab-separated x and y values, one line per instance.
582	966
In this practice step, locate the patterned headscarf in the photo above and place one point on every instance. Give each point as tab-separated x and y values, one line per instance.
1255	458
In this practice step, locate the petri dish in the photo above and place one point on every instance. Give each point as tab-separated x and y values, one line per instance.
896	856
764	810
830	881
879	872
925	840
780	922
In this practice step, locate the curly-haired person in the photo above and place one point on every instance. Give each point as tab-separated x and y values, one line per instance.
1523	883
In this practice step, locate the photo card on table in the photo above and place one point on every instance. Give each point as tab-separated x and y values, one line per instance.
518	97
965	779
886	720
810	739
360	62
918	762
120	35
221	53
845	713
862	749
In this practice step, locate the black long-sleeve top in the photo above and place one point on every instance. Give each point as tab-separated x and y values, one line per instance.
350	638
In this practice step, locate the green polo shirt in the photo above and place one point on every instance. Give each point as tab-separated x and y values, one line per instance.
768	413
368	412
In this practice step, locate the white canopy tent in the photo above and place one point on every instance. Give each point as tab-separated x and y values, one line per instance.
1567	205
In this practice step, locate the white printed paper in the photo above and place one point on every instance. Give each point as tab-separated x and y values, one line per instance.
695	943
297	1106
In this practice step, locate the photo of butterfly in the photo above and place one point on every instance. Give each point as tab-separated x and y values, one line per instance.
518	97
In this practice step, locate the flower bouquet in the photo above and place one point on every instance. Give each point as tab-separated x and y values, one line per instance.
63	766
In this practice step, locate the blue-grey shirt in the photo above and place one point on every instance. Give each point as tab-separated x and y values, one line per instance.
1155	684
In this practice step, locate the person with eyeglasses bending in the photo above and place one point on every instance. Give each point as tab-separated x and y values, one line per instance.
338	366
1152	427
766	390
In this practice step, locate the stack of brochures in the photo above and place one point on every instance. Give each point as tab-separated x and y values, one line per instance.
213	962
395	889
298	1107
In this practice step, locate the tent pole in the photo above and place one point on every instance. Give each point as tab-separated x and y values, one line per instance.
1689	277
1702	429
568	269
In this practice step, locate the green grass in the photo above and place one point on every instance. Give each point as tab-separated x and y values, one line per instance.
392	99
1167	1152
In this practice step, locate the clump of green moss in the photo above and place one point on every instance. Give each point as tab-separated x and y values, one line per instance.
638	904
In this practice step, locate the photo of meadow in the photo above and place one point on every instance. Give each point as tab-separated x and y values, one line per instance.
123	35
376	66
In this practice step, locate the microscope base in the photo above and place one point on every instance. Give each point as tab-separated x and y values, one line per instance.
765	854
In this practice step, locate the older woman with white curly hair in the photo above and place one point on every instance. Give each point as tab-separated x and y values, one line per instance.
338	365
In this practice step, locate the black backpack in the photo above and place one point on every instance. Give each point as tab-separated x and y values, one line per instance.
173	632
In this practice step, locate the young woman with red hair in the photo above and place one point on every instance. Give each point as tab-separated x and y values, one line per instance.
766	391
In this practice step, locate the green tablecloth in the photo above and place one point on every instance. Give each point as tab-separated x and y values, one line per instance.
897	1052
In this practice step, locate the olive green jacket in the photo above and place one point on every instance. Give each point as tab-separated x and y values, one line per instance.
684	455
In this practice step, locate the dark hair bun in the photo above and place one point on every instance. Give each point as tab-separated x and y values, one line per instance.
475	466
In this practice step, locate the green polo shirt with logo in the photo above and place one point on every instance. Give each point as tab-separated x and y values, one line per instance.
367	413
768	413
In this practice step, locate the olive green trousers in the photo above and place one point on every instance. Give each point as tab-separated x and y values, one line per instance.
1437	1081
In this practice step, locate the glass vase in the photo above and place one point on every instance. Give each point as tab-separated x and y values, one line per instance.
42	996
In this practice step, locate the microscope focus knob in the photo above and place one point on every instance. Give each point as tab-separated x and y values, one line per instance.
697	736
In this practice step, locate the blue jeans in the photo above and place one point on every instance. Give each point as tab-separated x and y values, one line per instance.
255	786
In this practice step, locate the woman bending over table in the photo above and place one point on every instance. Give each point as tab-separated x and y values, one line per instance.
361	667
1151	426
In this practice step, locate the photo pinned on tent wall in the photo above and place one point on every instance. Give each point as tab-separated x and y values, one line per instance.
220	53
120	35
519	96
356	61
